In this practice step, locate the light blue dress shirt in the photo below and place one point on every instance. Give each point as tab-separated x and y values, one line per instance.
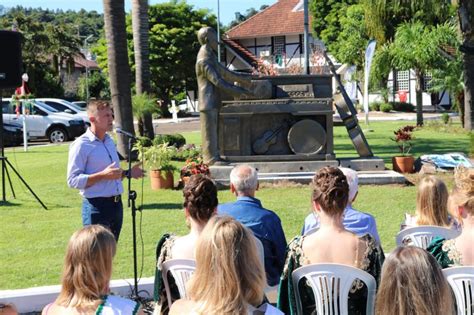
89	155
355	221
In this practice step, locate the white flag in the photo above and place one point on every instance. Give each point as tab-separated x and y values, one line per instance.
369	54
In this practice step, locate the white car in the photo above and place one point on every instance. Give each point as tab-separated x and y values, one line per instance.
67	107
43	121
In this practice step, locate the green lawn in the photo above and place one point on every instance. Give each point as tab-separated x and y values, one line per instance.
33	240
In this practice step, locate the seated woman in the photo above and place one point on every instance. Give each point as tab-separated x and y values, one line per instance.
458	251
229	276
86	277
431	205
200	204
332	243
412	283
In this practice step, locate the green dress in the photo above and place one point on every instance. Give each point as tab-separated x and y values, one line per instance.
445	252
163	253
371	262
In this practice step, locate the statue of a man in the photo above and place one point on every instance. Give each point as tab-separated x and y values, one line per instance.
212	77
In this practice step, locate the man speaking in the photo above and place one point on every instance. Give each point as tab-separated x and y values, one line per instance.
94	169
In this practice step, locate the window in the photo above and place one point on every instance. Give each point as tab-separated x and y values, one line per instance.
427	81
279	45
37	111
403	80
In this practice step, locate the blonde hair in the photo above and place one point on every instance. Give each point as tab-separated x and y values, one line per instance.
432	202
229	274
87	267
412	283
96	105
463	191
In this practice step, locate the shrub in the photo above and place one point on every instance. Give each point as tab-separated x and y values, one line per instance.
445	118
403	107
386	108
176	140
187	151
375	106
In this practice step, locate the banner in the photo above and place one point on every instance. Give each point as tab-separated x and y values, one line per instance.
369	54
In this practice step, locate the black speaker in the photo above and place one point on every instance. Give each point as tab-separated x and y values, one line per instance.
10	59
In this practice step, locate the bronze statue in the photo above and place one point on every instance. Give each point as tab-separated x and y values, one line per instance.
212	77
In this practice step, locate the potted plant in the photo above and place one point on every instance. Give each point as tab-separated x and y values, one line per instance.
191	167
404	162
158	158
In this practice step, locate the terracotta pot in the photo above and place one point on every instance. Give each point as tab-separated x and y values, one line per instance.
161	179
403	164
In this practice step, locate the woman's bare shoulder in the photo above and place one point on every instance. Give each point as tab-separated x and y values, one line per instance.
182	306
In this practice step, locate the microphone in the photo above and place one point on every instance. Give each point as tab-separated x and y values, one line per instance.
125	133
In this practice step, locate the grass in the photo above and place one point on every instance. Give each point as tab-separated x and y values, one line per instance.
33	240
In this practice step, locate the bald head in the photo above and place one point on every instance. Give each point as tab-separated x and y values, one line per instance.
244	179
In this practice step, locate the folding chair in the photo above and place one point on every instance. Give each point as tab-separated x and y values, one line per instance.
331	284
421	236
181	270
461	280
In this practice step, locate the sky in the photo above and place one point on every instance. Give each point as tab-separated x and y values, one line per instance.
227	7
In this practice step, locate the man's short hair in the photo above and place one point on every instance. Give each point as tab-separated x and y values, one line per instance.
352	181
95	105
244	178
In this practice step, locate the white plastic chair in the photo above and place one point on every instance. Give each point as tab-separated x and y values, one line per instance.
181	270
331	284
461	280
421	236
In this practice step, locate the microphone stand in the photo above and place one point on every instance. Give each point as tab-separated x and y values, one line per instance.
132	196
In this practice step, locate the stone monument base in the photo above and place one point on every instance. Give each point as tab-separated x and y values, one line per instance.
370	171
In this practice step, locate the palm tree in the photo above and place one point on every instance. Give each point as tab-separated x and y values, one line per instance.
142	61
466	26
119	68
382	17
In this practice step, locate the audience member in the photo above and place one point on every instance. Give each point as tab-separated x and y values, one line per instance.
8	309
331	243
86	276
200	203
458	251
265	224
431	205
229	276
355	221
412	283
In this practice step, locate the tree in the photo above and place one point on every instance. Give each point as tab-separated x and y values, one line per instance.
416	47
382	18
466	26
142	61
119	69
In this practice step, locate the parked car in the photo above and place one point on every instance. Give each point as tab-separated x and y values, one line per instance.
81	104
12	134
67	107
43	121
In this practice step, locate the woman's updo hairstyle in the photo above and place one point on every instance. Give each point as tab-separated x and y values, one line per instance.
200	197
330	190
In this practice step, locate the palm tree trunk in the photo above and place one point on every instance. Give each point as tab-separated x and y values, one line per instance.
419	97
142	61
466	21
119	68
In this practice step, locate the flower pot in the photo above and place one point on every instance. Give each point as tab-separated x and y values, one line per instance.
403	164
161	179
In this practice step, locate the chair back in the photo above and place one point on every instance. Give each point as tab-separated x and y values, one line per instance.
331	284
181	270
461	280
421	236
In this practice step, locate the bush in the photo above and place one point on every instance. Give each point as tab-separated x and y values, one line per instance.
375	106
386	108
445	118
403	107
176	140
187	151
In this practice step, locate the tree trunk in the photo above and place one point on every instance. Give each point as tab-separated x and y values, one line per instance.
119	68
142	61
165	103
419	97
466	21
